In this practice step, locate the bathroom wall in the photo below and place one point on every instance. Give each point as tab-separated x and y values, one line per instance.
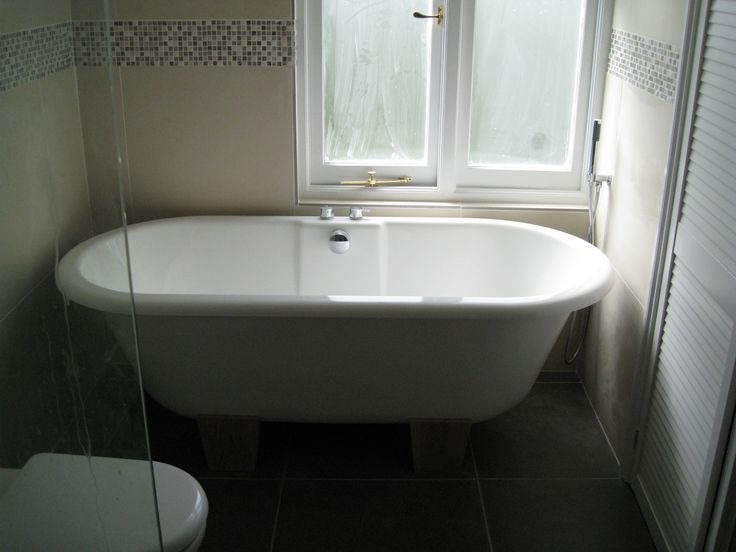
62	388
208	137
204	136
637	123
43	205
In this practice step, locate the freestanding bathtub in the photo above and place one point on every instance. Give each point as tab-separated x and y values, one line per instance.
420	319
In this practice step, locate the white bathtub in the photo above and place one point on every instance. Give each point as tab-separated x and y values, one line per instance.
422	318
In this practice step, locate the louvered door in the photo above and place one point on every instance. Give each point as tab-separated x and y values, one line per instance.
683	437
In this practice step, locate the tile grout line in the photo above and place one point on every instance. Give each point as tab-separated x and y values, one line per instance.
480	496
382	479
603	429
278	502
416	479
549	478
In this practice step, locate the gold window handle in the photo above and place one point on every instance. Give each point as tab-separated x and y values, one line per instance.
372	181
439	16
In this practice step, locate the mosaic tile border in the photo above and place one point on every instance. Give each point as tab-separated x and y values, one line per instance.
32	54
645	63
216	43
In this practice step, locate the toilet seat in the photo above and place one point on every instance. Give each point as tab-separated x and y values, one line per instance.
70	502
182	507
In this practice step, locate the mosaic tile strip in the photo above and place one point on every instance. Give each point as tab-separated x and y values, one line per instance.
186	42
34	53
90	43
645	63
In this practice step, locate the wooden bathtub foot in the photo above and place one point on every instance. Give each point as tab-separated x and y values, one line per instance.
230	443
439	445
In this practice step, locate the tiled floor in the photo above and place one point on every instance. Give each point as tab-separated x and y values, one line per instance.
539	478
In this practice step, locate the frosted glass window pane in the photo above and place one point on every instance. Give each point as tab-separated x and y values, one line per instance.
525	67
376	61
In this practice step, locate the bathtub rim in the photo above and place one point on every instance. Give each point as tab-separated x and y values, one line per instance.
77	288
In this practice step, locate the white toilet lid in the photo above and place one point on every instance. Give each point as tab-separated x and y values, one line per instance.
182	506
68	502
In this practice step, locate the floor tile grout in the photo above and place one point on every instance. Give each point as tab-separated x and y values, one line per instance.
276	516
550	478
278	501
480	496
233	478
405	479
600	426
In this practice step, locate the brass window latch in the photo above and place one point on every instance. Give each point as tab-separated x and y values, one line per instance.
439	16
372	181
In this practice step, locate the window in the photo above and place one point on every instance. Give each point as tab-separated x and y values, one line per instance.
490	105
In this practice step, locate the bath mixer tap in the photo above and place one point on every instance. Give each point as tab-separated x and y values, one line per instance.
326	213
357	213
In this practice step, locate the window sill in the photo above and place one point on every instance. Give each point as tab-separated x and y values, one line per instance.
427	198
572	219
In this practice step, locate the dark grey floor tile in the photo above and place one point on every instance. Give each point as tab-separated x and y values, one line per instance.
242	514
357	451
564	516
558	376
552	433
354	516
175	440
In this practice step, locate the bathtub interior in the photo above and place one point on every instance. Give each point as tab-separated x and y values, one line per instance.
104	263
401	258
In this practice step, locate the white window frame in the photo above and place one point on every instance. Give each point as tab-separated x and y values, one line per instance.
424	173
454	184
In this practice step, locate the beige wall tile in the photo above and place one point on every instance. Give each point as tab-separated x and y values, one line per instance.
661	20
88	10
42	184
573	222
17	15
616	327
629	210
26	231
210	140
100	146
64	148
197	9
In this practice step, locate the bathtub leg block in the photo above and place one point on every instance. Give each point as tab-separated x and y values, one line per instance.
230	443
439	445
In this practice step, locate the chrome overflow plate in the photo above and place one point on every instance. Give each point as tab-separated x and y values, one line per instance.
339	241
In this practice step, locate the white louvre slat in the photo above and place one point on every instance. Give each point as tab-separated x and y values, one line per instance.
682	435
713	118
709	139
720	17
712	67
724	110
708	233
723	6
714	193
684	405
716	176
